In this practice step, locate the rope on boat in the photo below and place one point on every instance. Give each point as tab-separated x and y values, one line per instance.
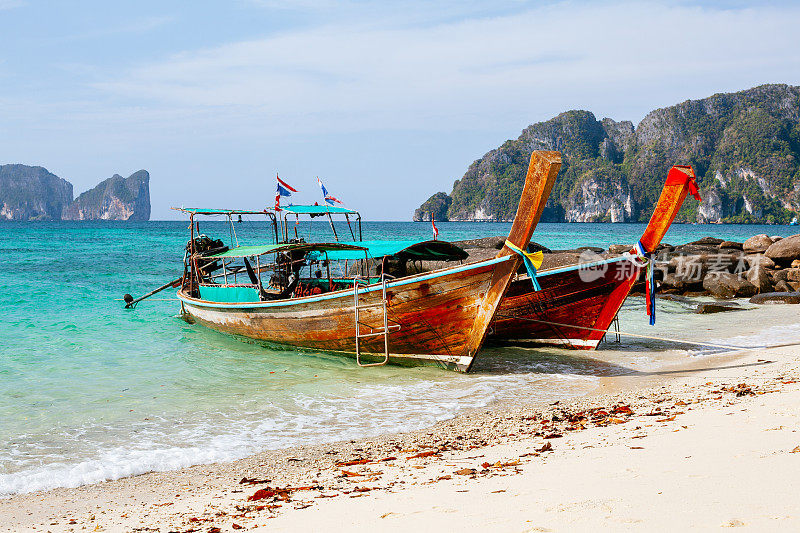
653	337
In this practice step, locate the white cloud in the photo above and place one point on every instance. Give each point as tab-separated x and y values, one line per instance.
369	74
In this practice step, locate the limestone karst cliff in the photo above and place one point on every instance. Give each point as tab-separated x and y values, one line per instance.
116	198
33	193
744	147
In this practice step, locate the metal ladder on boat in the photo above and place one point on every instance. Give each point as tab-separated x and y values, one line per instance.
374	332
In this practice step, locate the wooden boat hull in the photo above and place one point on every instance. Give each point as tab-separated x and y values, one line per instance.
575	310
439	318
570	311
434	311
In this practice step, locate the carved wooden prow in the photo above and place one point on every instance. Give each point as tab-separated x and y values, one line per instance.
680	182
542	171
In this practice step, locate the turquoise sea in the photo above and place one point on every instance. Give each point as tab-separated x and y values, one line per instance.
91	391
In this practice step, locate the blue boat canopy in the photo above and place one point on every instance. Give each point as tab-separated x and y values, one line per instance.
411	250
203	211
355	250
317	210
321	248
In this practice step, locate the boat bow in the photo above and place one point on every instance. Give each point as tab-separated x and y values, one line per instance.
542	171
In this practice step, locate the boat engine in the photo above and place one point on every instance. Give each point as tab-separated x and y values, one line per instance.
205	246
287	272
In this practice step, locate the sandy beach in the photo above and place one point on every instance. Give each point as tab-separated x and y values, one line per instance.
710	442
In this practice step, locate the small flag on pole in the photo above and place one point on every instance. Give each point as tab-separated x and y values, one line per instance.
325	195
282	189
435	229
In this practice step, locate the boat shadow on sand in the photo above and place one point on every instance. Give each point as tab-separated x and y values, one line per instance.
221	350
546	360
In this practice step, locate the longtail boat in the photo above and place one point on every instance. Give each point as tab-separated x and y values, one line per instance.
435	318
573	306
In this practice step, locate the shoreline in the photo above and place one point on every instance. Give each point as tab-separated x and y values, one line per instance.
206	496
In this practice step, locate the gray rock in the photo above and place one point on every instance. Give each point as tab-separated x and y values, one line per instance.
580	250
709	308
705	263
556	260
730	245
682	282
687	263
757	243
494	243
776	298
696	249
779	275
671	282
759	261
480	254
535	247
678	298
759	278
708	240
785	250
727	285
620	248
783	286
793	274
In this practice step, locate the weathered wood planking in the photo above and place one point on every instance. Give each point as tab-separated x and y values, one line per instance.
435	317
443	316
565	298
585	305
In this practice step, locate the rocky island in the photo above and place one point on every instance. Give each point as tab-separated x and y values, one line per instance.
33	193
116	198
744	147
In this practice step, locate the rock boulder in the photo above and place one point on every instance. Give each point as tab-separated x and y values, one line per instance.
776	298
620	248
709	308
785	250
727	285
759	278
757	244
759	261
730	245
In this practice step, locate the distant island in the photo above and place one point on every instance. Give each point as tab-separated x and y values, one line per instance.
744	147
34	193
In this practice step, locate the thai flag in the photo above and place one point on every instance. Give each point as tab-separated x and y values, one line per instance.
283	189
435	229
328	198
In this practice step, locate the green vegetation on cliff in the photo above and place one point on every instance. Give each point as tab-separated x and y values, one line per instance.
32	193
744	147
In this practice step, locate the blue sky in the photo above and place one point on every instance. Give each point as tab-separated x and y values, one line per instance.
386	102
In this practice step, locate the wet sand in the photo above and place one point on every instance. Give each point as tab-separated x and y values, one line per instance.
703	443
